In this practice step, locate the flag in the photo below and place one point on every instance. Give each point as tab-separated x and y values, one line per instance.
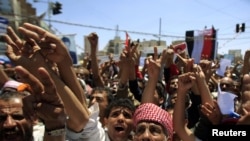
127	40
208	44
198	46
180	48
189	41
201	43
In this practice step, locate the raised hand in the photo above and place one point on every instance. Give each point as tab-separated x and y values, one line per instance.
93	39
213	113
153	68
167	57
50	45
97	78
136	54
187	63
246	64
245	118
185	82
44	101
21	52
199	74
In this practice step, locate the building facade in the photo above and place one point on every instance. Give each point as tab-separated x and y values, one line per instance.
16	12
236	53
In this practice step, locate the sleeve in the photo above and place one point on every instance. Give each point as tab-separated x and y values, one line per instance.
124	92
92	131
135	90
138	73
202	128
194	110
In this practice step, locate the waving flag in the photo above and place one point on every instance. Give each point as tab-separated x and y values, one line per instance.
202	43
127	40
180	48
208	44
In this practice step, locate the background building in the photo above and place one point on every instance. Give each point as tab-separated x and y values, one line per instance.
17	12
236	55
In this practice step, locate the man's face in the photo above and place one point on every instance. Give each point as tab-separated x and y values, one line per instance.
173	86
157	99
149	131
13	125
119	123
226	84
101	98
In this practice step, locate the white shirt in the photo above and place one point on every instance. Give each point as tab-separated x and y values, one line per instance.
93	131
38	131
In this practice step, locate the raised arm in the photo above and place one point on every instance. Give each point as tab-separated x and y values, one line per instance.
185	82
30	56
243	109
55	51
246	64
97	78
134	73
123	90
125	64
45	103
202	86
149	90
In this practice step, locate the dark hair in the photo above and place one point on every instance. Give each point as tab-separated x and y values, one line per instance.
161	89
65	39
108	91
171	105
7	95
119	102
169	82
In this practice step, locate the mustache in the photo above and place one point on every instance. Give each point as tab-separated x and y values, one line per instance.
26	134
14	129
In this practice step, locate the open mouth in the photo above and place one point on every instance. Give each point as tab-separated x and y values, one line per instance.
11	134
119	129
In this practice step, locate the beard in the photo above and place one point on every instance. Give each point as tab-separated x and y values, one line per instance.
17	133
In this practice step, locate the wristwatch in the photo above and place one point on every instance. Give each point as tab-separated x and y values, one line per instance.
56	132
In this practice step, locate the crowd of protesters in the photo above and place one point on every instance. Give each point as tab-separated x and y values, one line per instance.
45	97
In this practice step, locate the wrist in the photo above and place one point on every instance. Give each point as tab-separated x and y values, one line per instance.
65	63
56	132
201	80
55	128
53	125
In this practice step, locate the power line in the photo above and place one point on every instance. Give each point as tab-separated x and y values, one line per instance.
133	32
230	40
112	29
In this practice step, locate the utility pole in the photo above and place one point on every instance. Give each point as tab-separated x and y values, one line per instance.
49	13
48	10
159	42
